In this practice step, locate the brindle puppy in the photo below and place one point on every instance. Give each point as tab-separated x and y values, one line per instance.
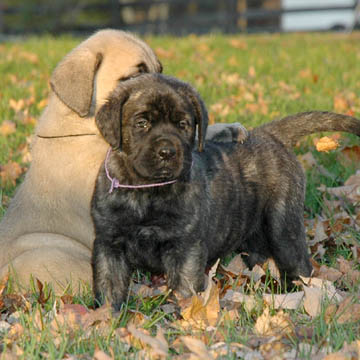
189	207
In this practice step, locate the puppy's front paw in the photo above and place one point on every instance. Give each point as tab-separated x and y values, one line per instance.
117	302
115	298
111	276
188	285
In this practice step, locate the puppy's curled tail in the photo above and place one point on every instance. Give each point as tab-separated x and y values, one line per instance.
290	129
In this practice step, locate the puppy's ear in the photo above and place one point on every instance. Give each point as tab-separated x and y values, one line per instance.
109	120
73	79
201	116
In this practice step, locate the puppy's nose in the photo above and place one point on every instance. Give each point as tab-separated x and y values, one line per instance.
166	152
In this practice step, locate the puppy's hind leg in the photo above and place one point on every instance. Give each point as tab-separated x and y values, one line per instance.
111	275
254	250
286	236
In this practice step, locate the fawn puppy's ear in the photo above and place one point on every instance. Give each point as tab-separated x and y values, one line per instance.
73	79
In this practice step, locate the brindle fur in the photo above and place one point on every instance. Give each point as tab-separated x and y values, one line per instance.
246	197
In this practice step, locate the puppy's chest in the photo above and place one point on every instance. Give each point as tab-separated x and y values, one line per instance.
144	207
150	231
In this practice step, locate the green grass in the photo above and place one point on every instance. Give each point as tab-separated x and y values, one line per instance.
251	79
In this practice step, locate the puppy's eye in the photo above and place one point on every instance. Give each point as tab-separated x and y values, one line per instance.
142	124
183	124
143	68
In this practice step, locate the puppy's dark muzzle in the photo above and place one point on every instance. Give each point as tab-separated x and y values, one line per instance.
167	162
165	150
166	153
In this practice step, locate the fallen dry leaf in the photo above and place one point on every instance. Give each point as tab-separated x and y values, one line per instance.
42	103
316	291
329	273
29	120
41	297
231	79
350	155
259	107
7	128
203	47
274	350
255	274
278	324
199	314
232	296
271	266
313	300
284	301
220	109
124	336
197	347
203	309
341	104
353	179
330	312
238	44
351	192
12	354
348	311
305	73
239	351
353	348
16	105
70	316
326	144
101	355
15	332
25	154
356	250
348	352
137	318
4	283
344	265
11	303
101	315
319	234
252	71
29	56
232	61
145	291
236	266
212	305
340	355
327	286
231	315
336	356
158	345
10	172
165	54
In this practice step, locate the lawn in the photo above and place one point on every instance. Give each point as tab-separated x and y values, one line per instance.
243	314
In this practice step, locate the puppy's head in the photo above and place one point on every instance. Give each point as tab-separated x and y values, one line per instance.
87	75
153	120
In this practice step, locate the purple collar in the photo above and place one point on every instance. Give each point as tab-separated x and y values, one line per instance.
115	182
